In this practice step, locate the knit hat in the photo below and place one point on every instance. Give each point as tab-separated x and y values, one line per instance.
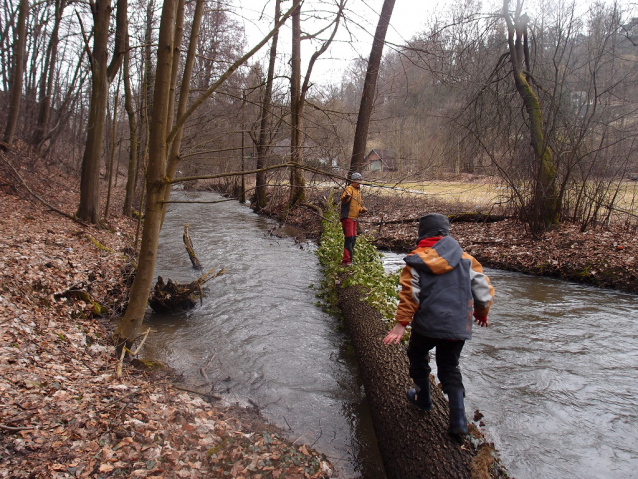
356	176
433	224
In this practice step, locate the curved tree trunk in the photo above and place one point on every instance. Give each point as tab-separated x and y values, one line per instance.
414	444
369	89
545	206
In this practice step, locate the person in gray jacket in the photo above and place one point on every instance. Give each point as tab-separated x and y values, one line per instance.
442	288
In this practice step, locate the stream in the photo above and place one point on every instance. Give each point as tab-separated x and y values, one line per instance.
554	375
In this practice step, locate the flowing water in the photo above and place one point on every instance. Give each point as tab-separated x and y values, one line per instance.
270	343
554	375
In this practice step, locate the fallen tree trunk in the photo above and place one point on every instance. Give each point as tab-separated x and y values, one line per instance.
472	217
413	443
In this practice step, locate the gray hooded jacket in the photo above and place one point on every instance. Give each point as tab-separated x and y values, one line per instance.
441	288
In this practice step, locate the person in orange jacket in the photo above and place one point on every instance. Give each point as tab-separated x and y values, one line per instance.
351	207
442	288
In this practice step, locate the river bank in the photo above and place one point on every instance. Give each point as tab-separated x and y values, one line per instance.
603	256
65	410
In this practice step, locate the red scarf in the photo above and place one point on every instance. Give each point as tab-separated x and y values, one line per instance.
429	242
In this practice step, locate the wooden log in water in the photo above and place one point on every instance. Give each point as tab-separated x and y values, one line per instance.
172	297
188	243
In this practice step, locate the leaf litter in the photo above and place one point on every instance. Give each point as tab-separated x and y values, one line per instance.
63	410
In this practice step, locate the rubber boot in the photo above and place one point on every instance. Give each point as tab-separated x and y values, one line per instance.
458	421
420	397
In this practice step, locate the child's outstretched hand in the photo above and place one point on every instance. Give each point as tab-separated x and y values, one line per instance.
481	320
395	335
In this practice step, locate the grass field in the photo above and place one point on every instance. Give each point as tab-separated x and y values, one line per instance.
481	196
476	195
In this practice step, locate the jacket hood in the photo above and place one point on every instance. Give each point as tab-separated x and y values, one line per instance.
441	258
434	224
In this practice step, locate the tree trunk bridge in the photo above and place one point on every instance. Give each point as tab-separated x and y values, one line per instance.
413	443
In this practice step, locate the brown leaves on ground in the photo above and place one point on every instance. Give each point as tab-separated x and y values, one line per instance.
63	410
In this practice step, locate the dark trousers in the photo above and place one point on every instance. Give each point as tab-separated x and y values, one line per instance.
350	233
447	361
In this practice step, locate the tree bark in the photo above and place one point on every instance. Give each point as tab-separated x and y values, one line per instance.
148	80
297	182
113	143
155	176
47	79
369	89
177	45
133	163
175	147
102	75
414	444
262	145
297	101
18	72
89	208
544	203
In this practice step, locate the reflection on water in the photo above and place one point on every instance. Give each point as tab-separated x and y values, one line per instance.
555	376
261	334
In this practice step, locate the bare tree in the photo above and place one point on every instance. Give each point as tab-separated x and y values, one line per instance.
544	205
18	72
175	147
103	74
47	78
111	171
369	88
155	175
133	137
298	92
158	183
262	146
297	181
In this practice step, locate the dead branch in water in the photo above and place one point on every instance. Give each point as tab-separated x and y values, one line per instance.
188	243
171	296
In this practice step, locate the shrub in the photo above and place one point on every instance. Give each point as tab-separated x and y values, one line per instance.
380	289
